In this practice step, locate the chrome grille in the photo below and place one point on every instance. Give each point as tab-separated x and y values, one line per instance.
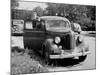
67	42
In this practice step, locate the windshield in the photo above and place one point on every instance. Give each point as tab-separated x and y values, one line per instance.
57	24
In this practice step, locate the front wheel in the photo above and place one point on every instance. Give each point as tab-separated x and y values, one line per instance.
82	58
46	55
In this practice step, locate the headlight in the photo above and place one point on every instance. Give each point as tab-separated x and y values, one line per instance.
57	40
80	38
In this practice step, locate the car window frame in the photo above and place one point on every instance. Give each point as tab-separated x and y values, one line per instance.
68	27
36	28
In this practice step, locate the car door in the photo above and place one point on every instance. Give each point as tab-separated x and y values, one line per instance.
34	36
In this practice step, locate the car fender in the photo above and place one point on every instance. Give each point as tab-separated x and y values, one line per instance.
47	44
84	45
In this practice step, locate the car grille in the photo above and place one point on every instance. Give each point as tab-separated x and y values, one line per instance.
67	42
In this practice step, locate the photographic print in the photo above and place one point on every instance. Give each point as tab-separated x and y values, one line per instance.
52	37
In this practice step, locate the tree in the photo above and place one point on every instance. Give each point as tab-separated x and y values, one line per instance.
91	12
82	14
21	14
38	10
14	4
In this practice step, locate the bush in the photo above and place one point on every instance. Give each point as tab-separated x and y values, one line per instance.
23	64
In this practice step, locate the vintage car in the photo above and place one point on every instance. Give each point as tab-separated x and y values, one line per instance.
54	38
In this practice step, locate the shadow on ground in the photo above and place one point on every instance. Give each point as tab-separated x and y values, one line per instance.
64	62
54	62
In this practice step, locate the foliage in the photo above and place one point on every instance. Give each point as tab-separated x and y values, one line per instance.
82	14
38	10
26	14
21	63
21	14
85	15
14	4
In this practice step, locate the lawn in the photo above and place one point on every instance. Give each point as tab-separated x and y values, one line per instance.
21	63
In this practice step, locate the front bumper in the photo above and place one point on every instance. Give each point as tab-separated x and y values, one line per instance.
69	55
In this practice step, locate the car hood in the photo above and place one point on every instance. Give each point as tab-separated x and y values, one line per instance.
59	30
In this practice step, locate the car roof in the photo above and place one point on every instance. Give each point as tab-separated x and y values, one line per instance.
54	18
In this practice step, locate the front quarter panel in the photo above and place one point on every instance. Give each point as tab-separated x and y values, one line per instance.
84	45
48	43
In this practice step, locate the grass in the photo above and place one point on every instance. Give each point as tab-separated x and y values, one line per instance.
21	63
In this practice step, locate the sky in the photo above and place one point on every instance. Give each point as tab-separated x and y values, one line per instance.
31	5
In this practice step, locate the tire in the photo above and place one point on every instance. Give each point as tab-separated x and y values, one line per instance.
43	50
46	55
82	58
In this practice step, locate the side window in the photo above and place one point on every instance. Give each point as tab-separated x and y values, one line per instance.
39	25
35	25
28	25
31	25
